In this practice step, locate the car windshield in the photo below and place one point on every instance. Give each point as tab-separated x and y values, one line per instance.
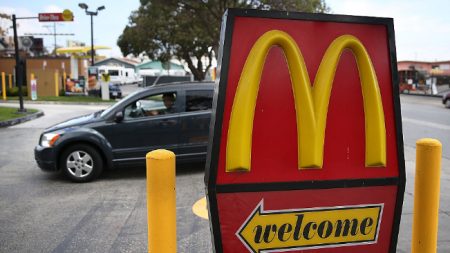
118	104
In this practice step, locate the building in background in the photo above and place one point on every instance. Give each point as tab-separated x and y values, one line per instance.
120	70
424	77
75	43
45	69
157	68
118	62
28	46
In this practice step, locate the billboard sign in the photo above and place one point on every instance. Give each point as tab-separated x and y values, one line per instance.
306	149
64	16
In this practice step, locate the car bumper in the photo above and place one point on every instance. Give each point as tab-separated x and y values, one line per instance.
45	158
115	93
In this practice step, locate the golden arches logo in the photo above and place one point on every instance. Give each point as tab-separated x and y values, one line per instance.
311	102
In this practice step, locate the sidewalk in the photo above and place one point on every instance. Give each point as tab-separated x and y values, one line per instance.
404	238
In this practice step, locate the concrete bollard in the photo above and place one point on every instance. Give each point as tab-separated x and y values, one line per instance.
161	206
426	196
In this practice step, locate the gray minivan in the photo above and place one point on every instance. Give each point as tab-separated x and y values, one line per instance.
171	116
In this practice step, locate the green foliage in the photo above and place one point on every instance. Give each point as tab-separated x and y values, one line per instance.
190	29
14	92
4	24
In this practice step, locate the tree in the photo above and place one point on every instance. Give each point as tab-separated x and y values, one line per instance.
190	29
3	30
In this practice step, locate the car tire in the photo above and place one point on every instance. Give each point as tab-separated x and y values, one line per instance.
81	163
447	103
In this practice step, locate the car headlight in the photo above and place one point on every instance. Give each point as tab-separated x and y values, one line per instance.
49	139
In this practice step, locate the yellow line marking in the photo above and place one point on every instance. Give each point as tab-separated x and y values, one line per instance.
200	209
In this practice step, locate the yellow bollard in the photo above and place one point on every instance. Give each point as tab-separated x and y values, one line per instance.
426	196
161	206
10	81
56	84
3	86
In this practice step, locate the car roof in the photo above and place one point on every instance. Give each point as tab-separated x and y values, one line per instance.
176	85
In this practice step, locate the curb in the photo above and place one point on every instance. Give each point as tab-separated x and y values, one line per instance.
12	122
422	95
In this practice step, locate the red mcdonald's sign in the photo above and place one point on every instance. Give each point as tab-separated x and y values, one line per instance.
306	149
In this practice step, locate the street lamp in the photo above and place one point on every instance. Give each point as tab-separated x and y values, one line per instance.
92	14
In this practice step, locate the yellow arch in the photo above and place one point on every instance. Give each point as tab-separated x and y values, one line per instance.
311	103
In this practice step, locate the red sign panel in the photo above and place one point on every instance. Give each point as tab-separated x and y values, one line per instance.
66	15
306	150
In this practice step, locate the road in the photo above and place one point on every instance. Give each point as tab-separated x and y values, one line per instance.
43	212
425	117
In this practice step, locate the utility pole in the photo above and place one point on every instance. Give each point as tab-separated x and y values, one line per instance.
92	39
19	77
54	34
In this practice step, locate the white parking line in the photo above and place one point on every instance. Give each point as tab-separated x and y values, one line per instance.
426	123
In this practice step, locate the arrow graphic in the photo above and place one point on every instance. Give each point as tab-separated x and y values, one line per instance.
324	227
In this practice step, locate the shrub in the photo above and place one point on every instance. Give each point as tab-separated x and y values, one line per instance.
14	91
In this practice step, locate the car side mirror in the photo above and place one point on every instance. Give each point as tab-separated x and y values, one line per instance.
118	117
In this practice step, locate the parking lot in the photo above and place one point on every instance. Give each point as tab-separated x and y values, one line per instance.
43	212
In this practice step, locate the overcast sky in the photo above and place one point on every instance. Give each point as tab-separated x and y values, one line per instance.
422	27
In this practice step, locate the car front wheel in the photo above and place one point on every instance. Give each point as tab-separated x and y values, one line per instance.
81	163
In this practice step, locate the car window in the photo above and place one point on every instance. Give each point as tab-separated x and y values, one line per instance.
157	104
118	104
199	100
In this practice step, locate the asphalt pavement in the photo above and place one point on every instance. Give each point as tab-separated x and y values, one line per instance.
43	212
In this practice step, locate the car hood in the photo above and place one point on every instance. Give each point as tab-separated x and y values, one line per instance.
75	122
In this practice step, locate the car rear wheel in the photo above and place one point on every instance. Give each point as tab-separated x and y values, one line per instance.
81	163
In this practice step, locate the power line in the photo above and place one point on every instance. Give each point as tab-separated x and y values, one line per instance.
49	34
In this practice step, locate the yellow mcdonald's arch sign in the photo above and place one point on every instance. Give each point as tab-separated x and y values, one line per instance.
311	102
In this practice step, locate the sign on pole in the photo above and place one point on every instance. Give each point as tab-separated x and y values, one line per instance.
33	84
64	16
306	148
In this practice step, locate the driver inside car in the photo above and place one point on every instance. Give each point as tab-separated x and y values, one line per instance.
169	101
